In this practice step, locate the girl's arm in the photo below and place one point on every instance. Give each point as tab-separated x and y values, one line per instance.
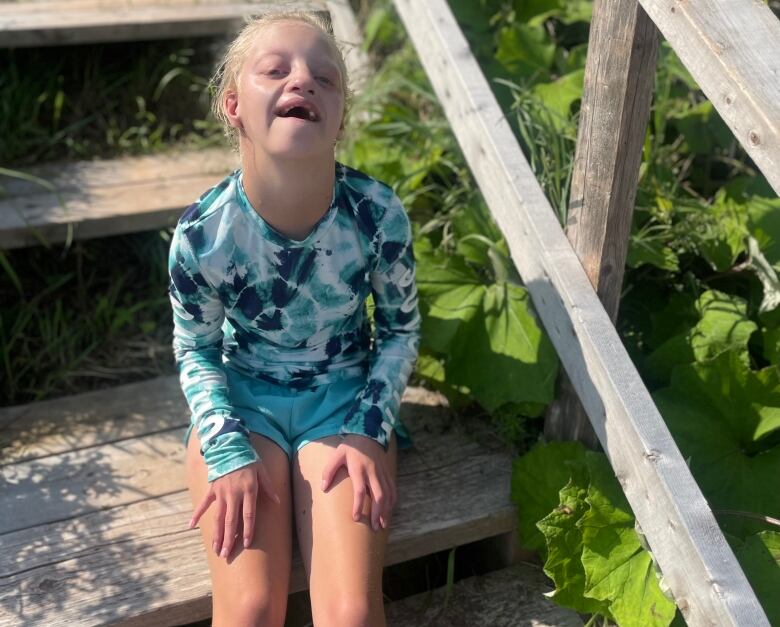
397	331
197	343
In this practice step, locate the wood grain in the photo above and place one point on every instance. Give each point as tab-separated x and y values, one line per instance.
105	526
504	598
687	543
64	22
111	197
731	48
619	75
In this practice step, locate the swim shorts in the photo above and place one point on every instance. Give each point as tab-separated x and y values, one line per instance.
288	416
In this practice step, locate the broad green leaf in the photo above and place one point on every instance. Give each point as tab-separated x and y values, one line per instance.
764	224
564	547
617	569
723	326
759	557
577	11
502	354
772	344
572	59
527	9
725	419
652	251
702	128
492	342
450	295
559	95
677	316
537	478
525	51
768	277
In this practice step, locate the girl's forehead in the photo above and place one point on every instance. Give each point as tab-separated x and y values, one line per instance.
289	38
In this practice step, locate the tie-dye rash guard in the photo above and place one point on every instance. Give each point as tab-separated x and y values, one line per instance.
293	312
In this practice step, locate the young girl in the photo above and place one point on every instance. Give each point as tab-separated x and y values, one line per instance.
294	404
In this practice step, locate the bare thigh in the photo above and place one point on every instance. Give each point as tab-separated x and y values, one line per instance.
343	558
253	581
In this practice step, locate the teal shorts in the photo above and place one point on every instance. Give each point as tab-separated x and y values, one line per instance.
291	417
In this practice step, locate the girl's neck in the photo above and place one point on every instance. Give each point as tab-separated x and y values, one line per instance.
290	195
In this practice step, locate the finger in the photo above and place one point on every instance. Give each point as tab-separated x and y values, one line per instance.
378	499
387	512
249	515
231	526
359	491
266	485
219	525
331	468
201	508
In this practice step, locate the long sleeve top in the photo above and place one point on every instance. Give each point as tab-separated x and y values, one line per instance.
293	312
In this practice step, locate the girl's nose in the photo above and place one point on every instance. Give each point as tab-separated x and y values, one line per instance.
302	80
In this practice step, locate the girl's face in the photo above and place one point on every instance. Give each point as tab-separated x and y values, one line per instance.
290	99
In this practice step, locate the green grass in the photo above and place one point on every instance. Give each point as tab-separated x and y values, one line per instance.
82	102
93	313
80	318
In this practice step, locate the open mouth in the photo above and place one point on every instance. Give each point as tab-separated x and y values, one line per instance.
299	111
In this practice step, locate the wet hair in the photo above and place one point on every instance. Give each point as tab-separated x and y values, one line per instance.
225	78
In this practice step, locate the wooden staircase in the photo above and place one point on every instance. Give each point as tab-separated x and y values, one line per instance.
95	509
93	504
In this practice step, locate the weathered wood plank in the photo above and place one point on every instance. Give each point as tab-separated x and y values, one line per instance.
60	425
62	22
619	76
113	447
81	421
109	197
75	483
698	564
72	176
504	598
731	48
125	563
347	33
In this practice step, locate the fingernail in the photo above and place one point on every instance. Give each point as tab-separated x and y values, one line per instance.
355	517
383	522
191	524
224	553
216	549
247	542
277	499
324	485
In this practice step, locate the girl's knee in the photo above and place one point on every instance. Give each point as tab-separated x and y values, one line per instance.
349	611
250	607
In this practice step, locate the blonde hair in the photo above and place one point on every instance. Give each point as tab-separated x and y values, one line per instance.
225	78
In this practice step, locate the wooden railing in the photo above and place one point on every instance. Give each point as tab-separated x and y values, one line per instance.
738	70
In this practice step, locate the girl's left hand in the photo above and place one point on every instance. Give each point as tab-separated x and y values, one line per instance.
367	466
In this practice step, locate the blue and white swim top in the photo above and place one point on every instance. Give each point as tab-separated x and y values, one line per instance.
293	312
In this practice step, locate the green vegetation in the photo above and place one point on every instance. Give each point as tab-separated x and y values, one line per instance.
700	312
88	101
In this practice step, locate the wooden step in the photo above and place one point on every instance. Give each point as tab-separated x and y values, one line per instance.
505	598
61	22
95	509
108	197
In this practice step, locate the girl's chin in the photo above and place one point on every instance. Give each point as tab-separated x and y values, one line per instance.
300	150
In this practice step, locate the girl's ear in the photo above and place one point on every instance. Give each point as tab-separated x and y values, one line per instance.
230	105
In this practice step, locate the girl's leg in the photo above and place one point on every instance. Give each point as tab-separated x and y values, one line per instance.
343	558
251	588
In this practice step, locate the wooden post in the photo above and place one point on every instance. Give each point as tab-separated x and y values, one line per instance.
619	76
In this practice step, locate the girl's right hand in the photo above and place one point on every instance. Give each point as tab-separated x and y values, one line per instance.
235	495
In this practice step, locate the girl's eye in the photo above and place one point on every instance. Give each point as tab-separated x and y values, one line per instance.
275	72
325	79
